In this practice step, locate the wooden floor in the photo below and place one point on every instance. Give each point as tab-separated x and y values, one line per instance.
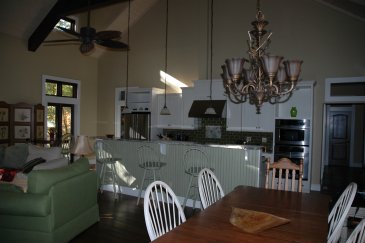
120	221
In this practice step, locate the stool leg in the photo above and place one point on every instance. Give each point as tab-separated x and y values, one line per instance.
117	179
102	177
114	175
187	192
141	188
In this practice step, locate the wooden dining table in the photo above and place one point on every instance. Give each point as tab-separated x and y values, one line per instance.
307	212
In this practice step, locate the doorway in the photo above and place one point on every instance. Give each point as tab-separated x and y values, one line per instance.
59	121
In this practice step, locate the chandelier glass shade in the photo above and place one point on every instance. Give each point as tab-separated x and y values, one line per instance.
267	78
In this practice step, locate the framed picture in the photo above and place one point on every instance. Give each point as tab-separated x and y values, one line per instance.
22	132
4	132
22	115
40	132
4	114
39	115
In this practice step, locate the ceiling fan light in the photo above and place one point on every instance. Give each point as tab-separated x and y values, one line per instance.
86	47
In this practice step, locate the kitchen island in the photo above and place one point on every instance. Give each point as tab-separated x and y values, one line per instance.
233	164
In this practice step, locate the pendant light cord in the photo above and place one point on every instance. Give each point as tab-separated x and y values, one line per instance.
167	27
127	73
211	48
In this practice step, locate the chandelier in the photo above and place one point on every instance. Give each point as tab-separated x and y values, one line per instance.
267	78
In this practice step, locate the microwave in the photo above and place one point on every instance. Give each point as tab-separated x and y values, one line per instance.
292	132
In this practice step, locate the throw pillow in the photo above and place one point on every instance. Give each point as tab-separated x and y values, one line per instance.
52	164
15	156
45	153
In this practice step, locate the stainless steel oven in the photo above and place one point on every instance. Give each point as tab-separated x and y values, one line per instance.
292	140
292	132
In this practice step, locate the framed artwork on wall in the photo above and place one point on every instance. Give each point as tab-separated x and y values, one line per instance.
4	122
38	123
22	132
39	133
22	114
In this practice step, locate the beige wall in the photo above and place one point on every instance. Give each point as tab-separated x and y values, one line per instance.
21	75
330	43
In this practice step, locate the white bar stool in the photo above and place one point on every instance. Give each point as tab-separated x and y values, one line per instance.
195	161
105	158
150	162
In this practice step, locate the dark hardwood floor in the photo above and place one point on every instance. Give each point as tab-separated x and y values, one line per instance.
120	221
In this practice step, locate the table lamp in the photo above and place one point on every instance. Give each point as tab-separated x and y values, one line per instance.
82	146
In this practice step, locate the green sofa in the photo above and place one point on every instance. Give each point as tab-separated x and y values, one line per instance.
58	205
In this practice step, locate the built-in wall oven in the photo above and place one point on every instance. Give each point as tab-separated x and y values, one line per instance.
292	140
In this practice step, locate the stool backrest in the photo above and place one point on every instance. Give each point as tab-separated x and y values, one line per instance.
147	156
195	160
162	210
102	152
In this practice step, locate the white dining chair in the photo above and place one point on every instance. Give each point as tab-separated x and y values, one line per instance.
339	212
358	235
210	190
150	162
162	210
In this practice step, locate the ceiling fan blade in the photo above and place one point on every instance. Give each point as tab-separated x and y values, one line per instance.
71	32
65	40
113	44
108	35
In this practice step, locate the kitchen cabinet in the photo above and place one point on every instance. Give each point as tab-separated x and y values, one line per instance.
202	90
243	117
175	105
302	99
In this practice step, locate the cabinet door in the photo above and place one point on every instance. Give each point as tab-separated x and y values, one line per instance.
260	122
174	104
188	96
234	116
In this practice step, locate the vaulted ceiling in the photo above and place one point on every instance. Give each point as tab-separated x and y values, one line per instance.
34	20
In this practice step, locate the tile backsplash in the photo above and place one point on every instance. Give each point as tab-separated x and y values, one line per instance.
215	135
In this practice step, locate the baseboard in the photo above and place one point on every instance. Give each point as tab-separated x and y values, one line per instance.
135	192
315	187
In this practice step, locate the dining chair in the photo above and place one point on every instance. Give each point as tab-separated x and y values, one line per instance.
105	158
210	190
150	162
162	210
195	160
284	175
358	235
339	212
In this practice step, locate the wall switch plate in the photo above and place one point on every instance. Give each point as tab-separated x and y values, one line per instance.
264	140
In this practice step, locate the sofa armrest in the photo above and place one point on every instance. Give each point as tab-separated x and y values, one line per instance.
52	164
24	204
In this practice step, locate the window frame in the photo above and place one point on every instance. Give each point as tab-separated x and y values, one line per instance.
63	100
59	85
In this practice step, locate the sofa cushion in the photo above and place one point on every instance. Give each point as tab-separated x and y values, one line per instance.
39	181
52	164
45	153
15	156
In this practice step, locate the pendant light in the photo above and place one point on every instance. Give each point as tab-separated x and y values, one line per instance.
165	110
210	110
126	109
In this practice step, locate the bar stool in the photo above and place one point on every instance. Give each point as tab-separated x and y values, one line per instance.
150	162
195	161
107	162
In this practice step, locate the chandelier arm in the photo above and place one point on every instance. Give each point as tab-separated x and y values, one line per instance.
263	43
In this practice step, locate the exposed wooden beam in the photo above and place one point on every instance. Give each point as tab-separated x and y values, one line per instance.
61	9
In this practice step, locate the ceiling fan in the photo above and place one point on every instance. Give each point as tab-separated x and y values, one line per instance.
88	36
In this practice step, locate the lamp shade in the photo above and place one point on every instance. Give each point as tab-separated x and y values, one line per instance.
82	146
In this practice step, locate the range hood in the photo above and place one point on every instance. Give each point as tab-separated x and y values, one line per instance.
199	107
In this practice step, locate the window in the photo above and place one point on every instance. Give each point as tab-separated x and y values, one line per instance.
345	90
61	97
66	23
61	89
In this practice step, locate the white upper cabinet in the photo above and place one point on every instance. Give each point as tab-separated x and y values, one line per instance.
234	116
175	105
302	99
259	122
